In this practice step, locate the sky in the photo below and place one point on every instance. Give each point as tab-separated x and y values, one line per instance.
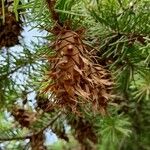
29	36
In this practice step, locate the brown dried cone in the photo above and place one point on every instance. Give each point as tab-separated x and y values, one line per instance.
24	117
10	30
37	141
44	103
84	133
75	78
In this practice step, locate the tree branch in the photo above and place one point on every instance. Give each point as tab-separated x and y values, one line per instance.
15	138
51	7
50	123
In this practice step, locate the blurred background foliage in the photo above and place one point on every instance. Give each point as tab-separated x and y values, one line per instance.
119	30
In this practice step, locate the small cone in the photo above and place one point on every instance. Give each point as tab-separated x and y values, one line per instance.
44	104
10	30
37	142
84	133
23	117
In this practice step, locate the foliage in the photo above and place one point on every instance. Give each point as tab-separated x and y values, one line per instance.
113	35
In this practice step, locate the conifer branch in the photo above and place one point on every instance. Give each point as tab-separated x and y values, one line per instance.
15	138
54	14
29	136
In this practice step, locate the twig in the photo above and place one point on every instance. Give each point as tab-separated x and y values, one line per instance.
15	138
26	63
3	11
11	72
50	123
51	7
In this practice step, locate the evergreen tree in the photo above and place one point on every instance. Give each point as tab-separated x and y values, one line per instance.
86	78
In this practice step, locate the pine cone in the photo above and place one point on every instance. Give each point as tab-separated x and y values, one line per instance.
37	141
77	79
84	132
24	117
10	31
44	103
